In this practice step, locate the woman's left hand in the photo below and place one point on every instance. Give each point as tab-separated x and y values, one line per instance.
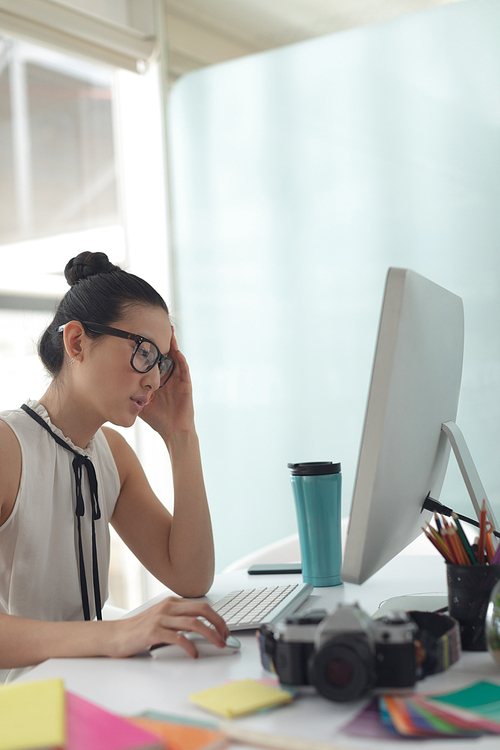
170	409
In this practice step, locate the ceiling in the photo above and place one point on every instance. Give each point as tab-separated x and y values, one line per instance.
204	32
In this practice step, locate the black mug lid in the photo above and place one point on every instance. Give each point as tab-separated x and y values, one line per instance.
314	468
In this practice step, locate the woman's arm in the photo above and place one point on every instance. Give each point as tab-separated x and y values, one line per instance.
24	642
178	549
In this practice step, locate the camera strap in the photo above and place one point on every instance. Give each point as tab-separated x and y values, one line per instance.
438	642
79	462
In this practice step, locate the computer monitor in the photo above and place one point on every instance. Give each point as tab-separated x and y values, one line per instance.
404	451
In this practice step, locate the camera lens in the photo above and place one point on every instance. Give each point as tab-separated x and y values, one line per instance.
343	669
339	672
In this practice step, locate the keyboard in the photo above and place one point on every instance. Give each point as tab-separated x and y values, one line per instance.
248	609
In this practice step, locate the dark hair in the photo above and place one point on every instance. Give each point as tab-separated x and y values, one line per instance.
100	293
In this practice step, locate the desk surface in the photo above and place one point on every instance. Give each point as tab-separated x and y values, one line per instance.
137	684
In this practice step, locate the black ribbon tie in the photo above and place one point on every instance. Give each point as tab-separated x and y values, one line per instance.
79	462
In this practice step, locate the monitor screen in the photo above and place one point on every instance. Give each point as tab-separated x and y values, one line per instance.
414	388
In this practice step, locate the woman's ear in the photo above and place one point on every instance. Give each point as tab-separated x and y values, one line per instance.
74	335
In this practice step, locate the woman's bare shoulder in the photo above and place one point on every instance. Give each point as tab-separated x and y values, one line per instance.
9	445
125	458
10	470
117	442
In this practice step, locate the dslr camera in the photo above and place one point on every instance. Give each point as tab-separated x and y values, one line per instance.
343	655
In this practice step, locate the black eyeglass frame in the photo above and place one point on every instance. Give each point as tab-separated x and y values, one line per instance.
109	331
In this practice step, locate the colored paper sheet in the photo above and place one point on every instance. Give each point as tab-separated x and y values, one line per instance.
386	719
90	727
239	698
178	719
416	722
33	715
418	716
456	714
424	723
446	724
183	736
368	723
394	712
482	698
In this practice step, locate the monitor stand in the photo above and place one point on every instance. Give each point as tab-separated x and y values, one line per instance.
469	472
438	602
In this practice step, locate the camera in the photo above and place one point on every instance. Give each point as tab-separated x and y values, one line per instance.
343	655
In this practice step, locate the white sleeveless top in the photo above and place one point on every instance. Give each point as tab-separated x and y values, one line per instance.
39	571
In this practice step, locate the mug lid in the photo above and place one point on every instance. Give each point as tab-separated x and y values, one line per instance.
314	468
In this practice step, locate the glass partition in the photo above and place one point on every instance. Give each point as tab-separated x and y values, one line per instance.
299	176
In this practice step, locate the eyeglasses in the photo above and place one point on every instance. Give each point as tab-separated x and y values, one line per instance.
145	355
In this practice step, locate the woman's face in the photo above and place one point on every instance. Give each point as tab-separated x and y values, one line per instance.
116	391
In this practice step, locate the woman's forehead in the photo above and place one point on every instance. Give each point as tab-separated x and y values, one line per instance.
151	322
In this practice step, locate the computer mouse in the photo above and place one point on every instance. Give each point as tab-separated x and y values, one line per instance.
203	646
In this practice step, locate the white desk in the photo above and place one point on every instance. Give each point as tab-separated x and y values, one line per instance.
140	683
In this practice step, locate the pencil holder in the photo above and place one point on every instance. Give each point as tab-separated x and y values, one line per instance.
469	590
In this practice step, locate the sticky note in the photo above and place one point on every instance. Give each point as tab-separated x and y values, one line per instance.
33	715
239	698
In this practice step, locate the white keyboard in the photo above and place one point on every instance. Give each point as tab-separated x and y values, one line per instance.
248	609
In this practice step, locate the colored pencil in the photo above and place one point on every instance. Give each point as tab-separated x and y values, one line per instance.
490	550
451	542
457	546
450	539
482	534
441	541
463	538
440	548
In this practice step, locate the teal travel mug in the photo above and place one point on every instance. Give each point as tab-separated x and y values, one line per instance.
317	494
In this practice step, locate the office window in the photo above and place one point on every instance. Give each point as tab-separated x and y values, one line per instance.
21	371
76	147
58	171
58	191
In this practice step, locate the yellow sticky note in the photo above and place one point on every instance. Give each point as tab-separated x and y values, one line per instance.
33	715
238	698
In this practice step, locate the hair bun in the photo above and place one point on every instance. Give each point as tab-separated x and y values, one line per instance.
87	264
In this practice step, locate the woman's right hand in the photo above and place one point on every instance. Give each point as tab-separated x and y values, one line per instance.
165	623
170	411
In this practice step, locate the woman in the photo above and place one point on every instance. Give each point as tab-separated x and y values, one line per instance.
112	355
